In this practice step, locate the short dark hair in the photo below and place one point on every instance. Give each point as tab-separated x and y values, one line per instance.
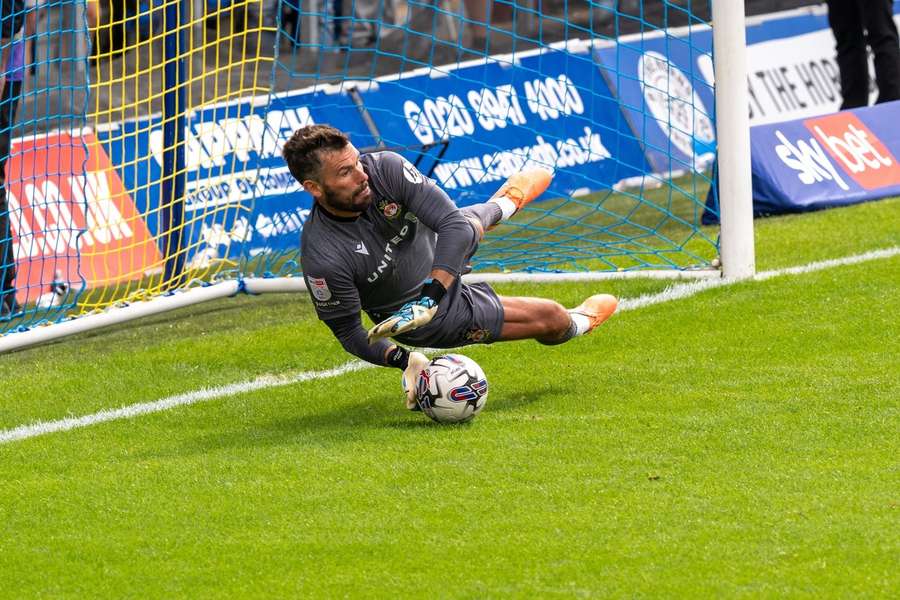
302	151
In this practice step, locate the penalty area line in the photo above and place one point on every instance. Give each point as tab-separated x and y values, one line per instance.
674	292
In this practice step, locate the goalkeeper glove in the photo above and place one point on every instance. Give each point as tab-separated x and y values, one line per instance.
411	315
412	363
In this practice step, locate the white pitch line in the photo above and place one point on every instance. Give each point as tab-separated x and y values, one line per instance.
675	292
685	290
202	395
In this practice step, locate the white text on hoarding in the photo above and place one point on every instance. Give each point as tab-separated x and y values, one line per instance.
500	165
447	117
809	160
213	143
54	228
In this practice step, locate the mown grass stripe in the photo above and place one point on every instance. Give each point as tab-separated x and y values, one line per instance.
674	292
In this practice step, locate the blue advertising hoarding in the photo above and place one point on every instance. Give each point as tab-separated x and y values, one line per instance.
665	97
834	160
240	197
599	114
488	119
664	81
549	108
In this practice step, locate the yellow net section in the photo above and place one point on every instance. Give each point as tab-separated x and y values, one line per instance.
215	56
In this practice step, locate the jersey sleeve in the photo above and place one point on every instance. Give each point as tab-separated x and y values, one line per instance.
433	207
331	287
350	333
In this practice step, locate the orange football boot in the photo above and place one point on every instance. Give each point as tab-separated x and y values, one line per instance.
597	309
525	186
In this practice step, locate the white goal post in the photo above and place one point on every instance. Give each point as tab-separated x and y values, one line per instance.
733	138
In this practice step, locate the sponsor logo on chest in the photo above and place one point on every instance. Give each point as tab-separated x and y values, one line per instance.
388	258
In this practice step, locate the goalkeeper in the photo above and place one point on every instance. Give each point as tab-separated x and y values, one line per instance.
383	238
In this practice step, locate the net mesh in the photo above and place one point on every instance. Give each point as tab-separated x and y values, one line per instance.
142	138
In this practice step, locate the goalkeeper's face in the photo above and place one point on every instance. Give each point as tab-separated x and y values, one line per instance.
343	186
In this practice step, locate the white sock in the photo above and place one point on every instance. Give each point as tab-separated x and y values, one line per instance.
582	323
507	206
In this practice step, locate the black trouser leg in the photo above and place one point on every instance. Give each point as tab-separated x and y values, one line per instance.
9	101
881	35
7	258
852	57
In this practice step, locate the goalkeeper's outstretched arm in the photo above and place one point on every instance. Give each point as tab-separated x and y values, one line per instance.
350	333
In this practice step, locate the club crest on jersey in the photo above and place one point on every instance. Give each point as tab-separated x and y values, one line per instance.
411	173
478	335
319	288
389	209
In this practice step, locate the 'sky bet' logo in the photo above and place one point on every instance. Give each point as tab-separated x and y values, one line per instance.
856	149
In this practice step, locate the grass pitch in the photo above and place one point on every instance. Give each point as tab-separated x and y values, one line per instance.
741	442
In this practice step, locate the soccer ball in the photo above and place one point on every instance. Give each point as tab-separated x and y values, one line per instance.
452	389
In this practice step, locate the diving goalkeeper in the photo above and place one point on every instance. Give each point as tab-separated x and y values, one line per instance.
383	238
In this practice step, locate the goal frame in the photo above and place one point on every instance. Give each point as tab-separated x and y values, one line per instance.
736	238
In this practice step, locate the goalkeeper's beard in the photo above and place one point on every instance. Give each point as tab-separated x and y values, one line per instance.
357	201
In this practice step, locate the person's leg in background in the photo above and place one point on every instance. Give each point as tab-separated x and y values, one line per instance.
8	304
12	60
9	101
852	57
881	36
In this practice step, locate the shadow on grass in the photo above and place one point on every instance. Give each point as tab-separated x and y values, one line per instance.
347	423
498	404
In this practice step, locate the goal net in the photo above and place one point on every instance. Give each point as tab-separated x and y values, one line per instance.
141	140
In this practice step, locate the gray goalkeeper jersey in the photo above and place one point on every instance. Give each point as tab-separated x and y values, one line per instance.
378	261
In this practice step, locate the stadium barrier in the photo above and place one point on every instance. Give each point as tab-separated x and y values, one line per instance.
834	160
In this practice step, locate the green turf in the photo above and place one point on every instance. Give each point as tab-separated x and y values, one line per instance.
742	442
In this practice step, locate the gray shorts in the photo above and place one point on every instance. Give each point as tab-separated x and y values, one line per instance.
468	314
